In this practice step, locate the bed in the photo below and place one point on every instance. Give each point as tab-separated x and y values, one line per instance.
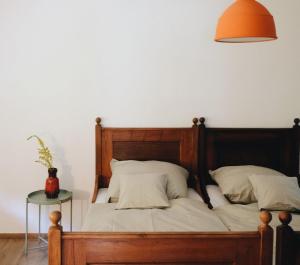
288	240
276	149
179	146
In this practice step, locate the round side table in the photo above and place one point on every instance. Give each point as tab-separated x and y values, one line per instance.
39	197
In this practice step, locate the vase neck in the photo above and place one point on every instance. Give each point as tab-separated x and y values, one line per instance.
52	172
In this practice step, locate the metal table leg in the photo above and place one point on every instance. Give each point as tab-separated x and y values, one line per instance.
26	232
39	236
60	211
71	214
38	199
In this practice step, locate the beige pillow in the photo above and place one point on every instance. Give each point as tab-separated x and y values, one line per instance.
176	176
143	191
280	193
234	183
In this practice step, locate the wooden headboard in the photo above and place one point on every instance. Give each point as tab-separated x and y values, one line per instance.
276	148
176	145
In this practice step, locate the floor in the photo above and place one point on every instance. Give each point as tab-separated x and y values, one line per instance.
12	253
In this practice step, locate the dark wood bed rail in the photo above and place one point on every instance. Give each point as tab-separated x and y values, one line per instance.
238	248
287	242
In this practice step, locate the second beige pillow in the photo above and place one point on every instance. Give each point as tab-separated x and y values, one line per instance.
278	193
234	183
143	191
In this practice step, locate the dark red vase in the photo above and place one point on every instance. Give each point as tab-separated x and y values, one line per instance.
52	184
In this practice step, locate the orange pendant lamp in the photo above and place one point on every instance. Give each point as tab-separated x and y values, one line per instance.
246	21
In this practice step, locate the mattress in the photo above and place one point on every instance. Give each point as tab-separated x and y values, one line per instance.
237	217
184	215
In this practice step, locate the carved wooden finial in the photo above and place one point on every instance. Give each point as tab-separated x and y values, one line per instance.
265	217
195	122
98	121
296	121
285	217
55	217
202	120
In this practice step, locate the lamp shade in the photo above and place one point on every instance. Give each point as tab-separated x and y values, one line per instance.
246	21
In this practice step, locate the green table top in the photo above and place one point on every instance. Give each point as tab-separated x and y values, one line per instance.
39	197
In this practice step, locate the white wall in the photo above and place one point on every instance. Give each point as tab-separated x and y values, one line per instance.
134	63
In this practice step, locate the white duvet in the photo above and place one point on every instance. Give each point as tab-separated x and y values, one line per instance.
239	217
184	215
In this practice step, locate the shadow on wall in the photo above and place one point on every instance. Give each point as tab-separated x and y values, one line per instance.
65	170
80	197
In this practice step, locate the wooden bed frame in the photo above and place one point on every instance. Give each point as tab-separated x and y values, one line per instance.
276	148
287	242
177	145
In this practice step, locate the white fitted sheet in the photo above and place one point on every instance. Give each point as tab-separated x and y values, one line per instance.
217	199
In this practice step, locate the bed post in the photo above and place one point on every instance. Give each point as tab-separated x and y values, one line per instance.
202	161
284	240
266	237
98	160
193	180
54	239
296	128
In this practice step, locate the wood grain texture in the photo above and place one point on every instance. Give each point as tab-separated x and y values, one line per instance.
239	248
20	235
266	236
135	150
203	171
170	145
175	145
273	148
166	248
98	154
198	149
54	239
12	253
276	148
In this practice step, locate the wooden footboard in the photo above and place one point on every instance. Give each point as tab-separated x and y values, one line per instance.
80	248
287	242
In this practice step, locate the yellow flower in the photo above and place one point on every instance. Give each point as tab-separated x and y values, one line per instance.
45	157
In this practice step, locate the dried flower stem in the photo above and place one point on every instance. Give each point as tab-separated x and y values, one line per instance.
45	157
